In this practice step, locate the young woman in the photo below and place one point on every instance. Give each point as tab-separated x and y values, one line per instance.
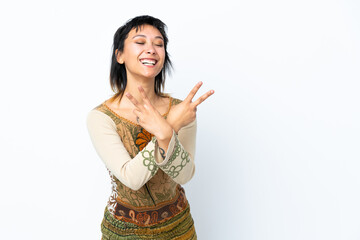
145	138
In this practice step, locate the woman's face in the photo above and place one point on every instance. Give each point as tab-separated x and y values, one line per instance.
144	53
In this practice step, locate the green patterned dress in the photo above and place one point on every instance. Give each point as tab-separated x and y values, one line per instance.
159	209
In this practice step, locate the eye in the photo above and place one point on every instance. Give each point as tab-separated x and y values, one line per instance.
141	43
159	43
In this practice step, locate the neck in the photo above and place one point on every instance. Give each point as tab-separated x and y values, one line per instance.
132	88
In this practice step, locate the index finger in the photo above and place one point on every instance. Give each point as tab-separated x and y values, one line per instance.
193	92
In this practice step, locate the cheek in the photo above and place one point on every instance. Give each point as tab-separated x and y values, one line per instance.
131	50
162	55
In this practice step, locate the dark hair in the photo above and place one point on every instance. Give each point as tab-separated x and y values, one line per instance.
118	78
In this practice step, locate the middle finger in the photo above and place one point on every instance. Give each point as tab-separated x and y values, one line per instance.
133	100
203	97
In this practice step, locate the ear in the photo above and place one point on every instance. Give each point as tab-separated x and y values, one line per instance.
119	57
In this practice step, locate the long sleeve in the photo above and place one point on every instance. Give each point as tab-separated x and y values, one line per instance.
132	172
179	161
135	172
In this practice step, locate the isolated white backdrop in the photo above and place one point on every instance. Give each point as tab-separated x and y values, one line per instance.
278	144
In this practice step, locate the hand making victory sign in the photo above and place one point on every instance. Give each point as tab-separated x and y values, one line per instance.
179	116
185	112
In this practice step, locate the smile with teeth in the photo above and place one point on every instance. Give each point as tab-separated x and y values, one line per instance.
148	62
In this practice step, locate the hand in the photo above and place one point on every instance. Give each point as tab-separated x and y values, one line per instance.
185	112
149	118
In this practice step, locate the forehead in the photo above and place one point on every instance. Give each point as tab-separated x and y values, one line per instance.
145	30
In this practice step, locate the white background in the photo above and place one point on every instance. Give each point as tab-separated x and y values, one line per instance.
278	144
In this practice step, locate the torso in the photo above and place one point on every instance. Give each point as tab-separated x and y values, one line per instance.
161	196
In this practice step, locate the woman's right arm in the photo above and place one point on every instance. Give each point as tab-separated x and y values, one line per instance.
132	172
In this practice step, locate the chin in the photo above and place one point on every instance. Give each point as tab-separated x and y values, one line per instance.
150	75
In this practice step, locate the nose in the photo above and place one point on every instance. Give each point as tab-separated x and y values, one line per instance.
151	49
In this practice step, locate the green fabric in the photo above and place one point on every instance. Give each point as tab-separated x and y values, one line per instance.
179	227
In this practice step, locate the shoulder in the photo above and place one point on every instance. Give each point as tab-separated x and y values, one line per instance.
98	118
104	111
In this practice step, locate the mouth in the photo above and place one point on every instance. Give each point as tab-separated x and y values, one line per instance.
148	61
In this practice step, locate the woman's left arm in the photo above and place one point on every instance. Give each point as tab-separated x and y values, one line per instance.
179	161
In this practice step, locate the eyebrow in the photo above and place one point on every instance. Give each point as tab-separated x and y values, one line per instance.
140	35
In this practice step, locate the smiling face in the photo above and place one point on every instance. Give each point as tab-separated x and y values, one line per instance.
144	53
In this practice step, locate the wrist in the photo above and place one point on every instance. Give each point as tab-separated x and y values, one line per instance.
165	134
175	125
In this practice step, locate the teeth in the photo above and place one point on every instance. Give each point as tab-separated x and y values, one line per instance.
148	62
